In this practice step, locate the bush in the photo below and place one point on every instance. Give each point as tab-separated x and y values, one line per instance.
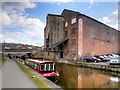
54	58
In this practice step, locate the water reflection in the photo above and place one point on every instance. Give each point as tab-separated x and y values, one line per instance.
77	77
68	76
115	79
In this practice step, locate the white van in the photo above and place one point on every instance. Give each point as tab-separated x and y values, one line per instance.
115	61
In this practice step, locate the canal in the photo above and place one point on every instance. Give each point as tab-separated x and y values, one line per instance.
79	77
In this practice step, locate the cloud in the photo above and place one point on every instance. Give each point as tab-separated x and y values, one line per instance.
6	6
1	36
91	2
13	11
17	27
105	20
114	15
113	26
32	31
111	19
56	0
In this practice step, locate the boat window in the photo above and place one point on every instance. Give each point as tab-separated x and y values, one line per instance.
36	66
42	67
47	67
32	64
27	63
51	67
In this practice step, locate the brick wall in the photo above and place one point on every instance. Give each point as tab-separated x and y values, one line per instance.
70	51
98	39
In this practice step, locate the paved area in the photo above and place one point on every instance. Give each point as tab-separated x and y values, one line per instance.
101	63
14	77
0	79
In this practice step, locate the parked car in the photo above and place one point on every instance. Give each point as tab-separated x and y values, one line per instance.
115	61
91	59
109	55
115	55
103	58
99	57
106	58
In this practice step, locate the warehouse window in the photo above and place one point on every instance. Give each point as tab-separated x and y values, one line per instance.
73	21
73	42
57	28
73	52
58	24
65	33
66	24
73	31
66	52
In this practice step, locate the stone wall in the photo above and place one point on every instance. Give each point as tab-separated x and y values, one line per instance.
54	31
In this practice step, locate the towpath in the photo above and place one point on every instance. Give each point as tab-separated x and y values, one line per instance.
14	77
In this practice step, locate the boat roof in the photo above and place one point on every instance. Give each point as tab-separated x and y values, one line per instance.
39	61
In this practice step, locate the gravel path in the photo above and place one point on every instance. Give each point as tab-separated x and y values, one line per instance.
14	77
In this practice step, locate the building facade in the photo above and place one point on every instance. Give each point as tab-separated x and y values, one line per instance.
79	35
54	30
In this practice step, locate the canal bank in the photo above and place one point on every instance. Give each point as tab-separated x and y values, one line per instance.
39	80
113	69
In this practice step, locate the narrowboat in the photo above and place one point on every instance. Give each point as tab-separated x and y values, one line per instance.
45	67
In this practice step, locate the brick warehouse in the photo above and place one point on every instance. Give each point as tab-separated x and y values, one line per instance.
72	35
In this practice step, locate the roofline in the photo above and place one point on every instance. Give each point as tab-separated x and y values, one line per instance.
88	17
69	10
54	15
97	21
82	15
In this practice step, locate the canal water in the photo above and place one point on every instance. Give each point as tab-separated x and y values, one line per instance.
79	77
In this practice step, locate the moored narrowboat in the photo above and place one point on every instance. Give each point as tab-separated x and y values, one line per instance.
45	67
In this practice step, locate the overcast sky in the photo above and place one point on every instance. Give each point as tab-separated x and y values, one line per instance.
24	22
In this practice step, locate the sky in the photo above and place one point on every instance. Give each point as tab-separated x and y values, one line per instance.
24	22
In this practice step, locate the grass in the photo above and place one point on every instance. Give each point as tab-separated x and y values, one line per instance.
2	60
40	83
